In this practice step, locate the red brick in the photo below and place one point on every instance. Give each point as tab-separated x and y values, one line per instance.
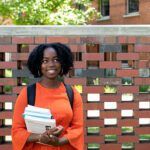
79	65
6	114
144	56
143	64
82	48
126	138
110	146
5	131
23	40
74	48
5	40
110	98
8	65
142	81
6	146
74	39
141	97
73	81
142	114
94	123
8	81
109	39
110	114
93	89
122	39
92	56
95	139
110	130
142	130
93	106
8	98
61	39
127	56
39	40
142	48
8	48
128	105
143	146
20	56
145	40
132	39
31	47
128	89
127	73
128	122
17	89
110	64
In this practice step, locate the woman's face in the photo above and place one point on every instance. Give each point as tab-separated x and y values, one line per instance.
50	66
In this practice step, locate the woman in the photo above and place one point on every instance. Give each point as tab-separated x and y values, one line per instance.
49	61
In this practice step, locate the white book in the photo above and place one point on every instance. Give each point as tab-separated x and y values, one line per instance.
39	125
37	115
38	119
30	108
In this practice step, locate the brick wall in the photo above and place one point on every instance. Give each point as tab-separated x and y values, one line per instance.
112	72
118	13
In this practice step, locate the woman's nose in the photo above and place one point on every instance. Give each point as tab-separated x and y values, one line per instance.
51	63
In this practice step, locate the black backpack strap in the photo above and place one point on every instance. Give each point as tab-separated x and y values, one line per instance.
31	89
70	94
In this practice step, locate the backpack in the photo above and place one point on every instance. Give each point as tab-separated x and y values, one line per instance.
31	89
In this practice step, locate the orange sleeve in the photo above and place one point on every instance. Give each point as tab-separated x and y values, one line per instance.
75	131
19	132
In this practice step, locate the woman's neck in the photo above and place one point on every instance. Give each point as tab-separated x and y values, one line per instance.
49	83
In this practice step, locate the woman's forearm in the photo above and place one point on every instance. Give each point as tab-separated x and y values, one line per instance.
34	137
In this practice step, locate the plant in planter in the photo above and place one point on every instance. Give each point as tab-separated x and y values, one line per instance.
110	89
144	88
126	81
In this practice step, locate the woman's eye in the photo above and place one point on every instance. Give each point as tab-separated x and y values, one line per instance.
56	60
44	61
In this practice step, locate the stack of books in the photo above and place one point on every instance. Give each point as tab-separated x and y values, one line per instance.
38	120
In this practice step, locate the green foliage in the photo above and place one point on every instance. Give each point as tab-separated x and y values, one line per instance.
48	12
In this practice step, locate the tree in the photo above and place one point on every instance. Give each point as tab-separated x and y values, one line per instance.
48	12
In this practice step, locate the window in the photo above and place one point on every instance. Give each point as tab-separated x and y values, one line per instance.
132	6
104	7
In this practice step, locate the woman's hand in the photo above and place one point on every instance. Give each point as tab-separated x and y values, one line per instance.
51	136
49	139
55	131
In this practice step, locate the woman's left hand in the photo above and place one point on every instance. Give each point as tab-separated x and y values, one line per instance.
54	140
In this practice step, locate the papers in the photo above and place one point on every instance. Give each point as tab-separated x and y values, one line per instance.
38	120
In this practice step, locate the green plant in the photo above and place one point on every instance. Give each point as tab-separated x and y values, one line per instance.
144	88
127	145
48	12
7	89
8	73
110	89
127	130
93	130
110	137
144	137
126	81
93	146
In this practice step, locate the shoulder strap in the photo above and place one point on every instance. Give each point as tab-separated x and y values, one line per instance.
70	94
31	89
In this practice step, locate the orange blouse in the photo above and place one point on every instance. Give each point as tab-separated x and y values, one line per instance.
57	101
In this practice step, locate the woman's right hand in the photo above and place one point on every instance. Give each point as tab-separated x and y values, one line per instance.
55	131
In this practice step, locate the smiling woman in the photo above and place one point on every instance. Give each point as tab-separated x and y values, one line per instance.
48	62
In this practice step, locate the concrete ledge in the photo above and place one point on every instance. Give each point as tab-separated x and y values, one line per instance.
87	30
